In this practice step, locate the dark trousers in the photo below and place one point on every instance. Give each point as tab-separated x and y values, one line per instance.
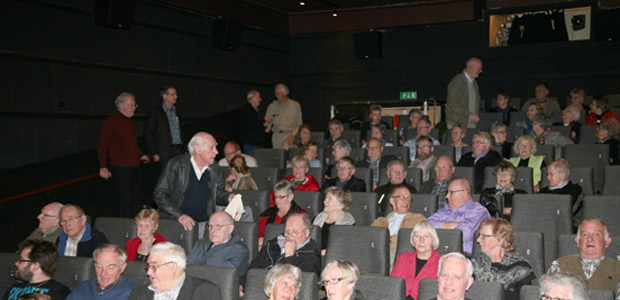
128	187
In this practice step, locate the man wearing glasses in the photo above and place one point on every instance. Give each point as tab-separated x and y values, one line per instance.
120	157
294	247
482	156
110	262
49	223
223	248
399	218
77	238
424	129
162	133
35	267
166	271
461	212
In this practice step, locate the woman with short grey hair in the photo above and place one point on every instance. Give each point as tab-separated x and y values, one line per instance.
563	286
282	282
340	278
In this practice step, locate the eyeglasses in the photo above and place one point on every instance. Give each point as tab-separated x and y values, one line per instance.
69	219
504	174
217	227
21	260
545	297
48	215
154	268
331	281
293	233
525	146
280	197
455	191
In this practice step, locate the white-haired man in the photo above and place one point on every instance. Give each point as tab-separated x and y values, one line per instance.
454	277
464	96
283	117
563	286
166	270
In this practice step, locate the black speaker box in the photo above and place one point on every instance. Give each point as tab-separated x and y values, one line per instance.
226	34
607	24
368	44
116	14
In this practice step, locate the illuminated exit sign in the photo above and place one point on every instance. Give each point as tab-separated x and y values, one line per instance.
408	95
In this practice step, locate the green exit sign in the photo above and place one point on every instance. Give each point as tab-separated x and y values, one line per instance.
408	95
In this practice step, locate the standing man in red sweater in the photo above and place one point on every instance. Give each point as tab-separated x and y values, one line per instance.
120	156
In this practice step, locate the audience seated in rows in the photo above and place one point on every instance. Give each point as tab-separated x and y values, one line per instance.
377	131
346	169
525	147
542	133
396	173
78	238
147	222
425	159
335	212
590	264
340	278
414	117
498	261
375	160
498	200
444	171
35	267
481	157
419	264
284	206
461	212
49	223
533	109
231	149
400	217
110	262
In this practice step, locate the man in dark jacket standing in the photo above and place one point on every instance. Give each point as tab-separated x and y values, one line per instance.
251	124
162	132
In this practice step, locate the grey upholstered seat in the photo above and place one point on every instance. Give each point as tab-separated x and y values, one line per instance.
227	279
610	184
353	137
478	290
266	178
254	286
73	270
7	268
381	287
311	202
567	246
606	208
271	158
257	200
579	175
364	208
174	232
447	150
136	274
248	232
368	247
118	230
595	156
401	153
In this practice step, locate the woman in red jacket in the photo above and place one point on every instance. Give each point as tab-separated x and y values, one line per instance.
599	111
147	221
419	264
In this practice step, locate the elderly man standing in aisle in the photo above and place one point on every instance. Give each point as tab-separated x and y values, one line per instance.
283	117
464	96
460	213
120	156
251	124
49	223
591	265
192	185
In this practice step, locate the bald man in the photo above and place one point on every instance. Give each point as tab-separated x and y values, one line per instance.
464	96
49	223
192	184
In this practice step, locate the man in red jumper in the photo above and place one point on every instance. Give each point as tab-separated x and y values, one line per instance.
120	156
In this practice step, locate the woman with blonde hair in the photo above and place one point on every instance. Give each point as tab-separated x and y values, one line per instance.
147	222
525	147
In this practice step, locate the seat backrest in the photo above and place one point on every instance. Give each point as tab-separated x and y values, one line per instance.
517	117
271	157
308	290
311	202
487	119
118	230
353	137
446	150
450	240
530	292
587	135
174	232
610	185
513	133
606	208
550	214
595	156
7	269
523	181
579	175
318	137
401	153
274	230
565	131
389	120
414	177
227	279
601	294
465	172
265	178
368	247
478	290
364	174
257	200
248	232
424	204
136	274
364	207
73	270
381	287
567	246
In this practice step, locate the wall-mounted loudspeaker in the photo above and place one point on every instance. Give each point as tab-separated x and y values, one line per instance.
226	34
116	14
368	44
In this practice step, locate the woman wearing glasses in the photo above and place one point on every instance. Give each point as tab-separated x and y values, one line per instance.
525	146
147	222
339	278
419	264
283	195
498	260
498	199
499	131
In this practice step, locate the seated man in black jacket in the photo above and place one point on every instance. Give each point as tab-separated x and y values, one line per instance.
294	247
77	238
345	179
481	157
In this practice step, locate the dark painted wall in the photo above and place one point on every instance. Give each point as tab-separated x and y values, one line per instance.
60	73
425	58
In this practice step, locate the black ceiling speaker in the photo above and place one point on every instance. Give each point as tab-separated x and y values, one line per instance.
116	14
226	34
368	44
